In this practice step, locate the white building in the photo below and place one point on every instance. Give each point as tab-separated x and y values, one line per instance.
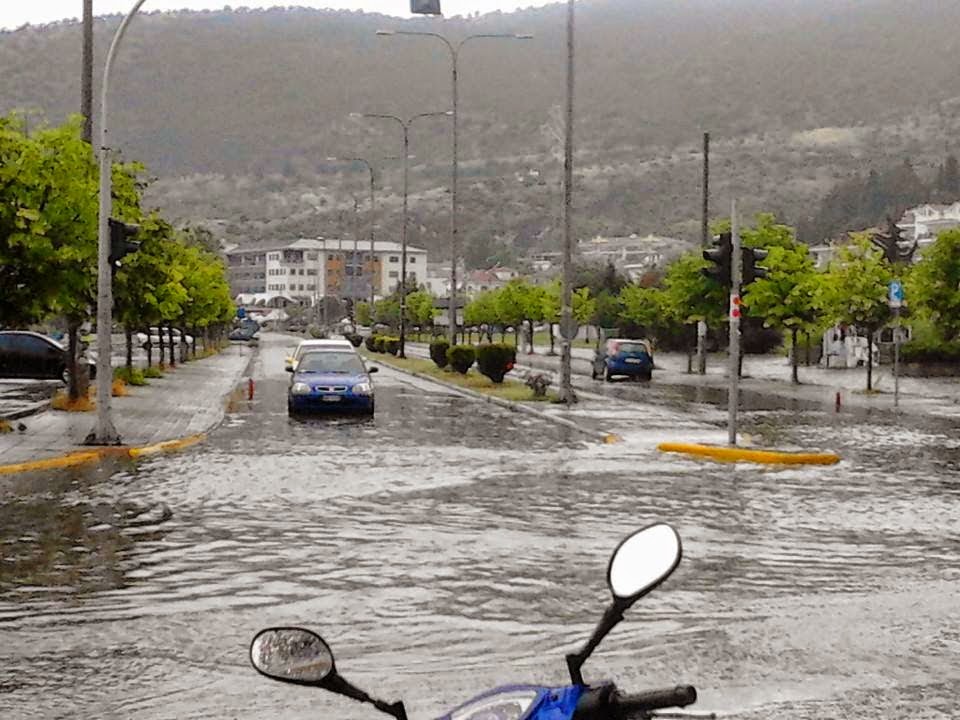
923	223
309	269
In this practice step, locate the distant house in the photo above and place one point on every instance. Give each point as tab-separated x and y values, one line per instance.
924	222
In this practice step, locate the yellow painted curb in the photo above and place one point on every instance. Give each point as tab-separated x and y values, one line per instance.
168	445
88	456
738	454
78	458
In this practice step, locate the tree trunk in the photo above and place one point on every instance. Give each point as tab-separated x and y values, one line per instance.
553	350
794	359
162	345
74	390
128	333
172	346
869	361
149	347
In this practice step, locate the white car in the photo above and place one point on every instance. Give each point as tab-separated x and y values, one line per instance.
317	345
155	337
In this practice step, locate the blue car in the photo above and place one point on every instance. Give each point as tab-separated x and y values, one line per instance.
331	381
620	356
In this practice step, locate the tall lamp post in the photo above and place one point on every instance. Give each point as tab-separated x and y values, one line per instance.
566	309
454	221
104	432
405	126
372	216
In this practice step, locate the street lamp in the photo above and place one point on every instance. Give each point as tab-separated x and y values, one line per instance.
566	306
454	230
372	216
104	432
405	125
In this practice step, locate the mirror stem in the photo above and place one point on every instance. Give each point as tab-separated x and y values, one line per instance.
336	683
611	617
396	709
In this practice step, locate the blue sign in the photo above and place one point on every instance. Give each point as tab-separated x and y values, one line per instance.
241	313
896	293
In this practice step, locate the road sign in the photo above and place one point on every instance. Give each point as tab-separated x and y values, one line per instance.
569	331
895	297
735	306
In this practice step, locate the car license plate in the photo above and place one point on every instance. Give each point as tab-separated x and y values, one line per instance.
331	398
635	361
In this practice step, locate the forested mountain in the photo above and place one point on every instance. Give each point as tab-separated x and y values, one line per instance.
235	112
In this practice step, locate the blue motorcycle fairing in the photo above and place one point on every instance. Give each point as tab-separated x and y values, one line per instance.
520	702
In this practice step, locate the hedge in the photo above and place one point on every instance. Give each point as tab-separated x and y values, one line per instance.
438	352
495	360
461	357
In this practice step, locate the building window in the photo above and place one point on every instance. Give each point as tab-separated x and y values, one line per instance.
311	286
394	273
311	256
311	271
413	259
394	258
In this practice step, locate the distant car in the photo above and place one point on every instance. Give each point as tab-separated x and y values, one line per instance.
624	357
243	334
26	354
330	381
317	345
154	337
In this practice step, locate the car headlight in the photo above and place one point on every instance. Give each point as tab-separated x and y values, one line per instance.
363	388
300	389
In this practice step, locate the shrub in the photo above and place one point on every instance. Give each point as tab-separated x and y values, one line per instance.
538	382
315	332
438	352
153	372
461	357
920	351
118	388
355	339
496	360
371	343
391	345
131	376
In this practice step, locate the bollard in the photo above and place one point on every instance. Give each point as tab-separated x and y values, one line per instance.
837	405
250	389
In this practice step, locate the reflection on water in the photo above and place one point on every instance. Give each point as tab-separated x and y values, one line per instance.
443	549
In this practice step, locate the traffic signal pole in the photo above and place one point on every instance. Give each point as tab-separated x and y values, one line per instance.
736	266
704	242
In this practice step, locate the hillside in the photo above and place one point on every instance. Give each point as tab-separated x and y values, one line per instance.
235	112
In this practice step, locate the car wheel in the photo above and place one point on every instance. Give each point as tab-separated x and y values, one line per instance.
65	375
608	376
646	376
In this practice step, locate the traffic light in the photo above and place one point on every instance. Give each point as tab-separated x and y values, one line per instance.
752	271
425	7
121	242
721	257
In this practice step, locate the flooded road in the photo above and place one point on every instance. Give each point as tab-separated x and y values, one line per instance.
447	547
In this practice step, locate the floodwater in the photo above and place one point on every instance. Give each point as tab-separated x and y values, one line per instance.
447	547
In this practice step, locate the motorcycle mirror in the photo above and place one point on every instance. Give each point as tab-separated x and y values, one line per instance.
299	656
642	561
291	654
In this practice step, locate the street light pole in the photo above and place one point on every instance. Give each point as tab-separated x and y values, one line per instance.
104	432
369	167
454	181
405	126
566	310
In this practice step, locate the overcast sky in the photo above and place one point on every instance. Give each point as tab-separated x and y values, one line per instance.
14	13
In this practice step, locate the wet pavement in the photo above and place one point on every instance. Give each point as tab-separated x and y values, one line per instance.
446	547
19	397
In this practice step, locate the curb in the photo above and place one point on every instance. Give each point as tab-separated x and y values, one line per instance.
600	435
763	457
27	411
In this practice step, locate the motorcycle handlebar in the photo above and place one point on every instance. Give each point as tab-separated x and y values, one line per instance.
639	704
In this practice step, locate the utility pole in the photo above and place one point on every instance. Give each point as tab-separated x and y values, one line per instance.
104	433
736	268
704	242
566	310
86	76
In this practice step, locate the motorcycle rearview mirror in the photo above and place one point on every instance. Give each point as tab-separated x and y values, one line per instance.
642	561
299	656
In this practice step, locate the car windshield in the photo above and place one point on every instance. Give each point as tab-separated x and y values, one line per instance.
331	362
631	348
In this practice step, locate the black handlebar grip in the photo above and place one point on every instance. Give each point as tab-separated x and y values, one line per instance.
679	696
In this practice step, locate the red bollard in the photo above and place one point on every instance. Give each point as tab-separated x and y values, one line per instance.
250	389
837	405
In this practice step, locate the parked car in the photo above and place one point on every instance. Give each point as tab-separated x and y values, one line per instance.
622	356
318	345
26	354
154	337
330	381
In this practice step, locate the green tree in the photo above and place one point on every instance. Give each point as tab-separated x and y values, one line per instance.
641	309
517	302
787	298
934	283
362	312
854	291
689	297
420	309
482	311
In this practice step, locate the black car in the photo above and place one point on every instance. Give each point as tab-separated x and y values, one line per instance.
32	355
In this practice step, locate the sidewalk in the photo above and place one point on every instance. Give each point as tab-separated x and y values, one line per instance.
769	375
187	400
